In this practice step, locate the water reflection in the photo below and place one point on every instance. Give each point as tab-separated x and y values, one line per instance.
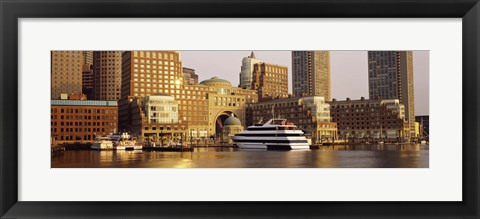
339	156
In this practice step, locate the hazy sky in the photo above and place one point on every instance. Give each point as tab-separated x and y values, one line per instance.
349	71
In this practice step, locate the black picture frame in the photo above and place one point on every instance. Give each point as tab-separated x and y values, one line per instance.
12	10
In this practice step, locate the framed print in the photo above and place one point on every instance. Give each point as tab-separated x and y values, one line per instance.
230	109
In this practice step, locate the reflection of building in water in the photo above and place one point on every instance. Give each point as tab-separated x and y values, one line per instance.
369	118
231	126
310	114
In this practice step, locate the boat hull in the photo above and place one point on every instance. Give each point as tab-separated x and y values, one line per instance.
102	146
272	146
129	147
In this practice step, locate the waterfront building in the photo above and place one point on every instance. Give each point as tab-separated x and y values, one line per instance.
417	130
424	125
66	73
202	108
246	73
226	101
310	114
311	73
146	73
373	118
76	120
153	114
231	126
270	81
190	78
390	76
107	75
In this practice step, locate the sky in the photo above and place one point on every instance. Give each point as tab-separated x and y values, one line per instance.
348	69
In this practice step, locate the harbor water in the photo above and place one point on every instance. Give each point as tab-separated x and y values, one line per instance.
340	156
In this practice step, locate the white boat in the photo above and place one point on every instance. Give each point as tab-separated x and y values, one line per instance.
125	142
276	134
102	143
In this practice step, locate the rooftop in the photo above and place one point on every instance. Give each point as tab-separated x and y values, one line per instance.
83	103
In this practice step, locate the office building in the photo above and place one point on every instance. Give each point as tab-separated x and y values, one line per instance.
190	78
310	114
270	81
107	75
246	73
202	108
66	73
424	123
87	74
146	73
390	76
76	120
374	118
311	73
87	58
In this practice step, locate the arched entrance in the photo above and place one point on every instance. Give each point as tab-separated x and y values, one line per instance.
221	117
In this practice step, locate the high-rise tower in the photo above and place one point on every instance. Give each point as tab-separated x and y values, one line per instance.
66	73
246	74
107	75
311	73
390	76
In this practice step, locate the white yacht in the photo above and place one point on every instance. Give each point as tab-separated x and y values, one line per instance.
102	143
276	134
125	141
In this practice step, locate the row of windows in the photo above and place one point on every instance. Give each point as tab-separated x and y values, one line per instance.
64	130
83	117
83	123
96	111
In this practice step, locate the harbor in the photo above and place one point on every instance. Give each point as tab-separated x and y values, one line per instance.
333	156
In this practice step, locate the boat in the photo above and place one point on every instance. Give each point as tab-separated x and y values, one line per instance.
275	134
102	143
125	141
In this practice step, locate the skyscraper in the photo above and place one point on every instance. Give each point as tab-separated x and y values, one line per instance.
270	81
146	73
246	73
87	58
87	74
107	75
390	76
66	73
189	75
311	73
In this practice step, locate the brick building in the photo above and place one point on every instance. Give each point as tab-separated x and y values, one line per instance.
364	118
310	114
270	81
81	120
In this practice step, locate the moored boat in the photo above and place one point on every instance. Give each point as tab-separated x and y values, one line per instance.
276	134
125	141
102	143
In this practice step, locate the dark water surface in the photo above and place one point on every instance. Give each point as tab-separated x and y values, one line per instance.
358	156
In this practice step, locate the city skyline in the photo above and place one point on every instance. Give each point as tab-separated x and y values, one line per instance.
344	78
158	102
